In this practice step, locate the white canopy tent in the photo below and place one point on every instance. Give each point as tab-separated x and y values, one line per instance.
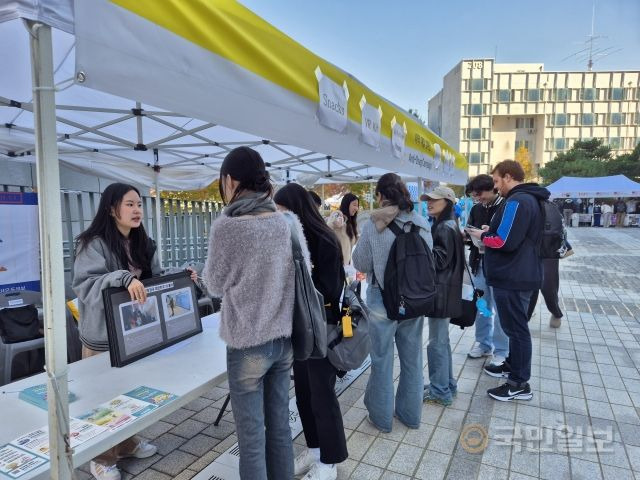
218	65
594	187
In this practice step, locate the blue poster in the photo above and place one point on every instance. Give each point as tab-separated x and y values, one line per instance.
19	242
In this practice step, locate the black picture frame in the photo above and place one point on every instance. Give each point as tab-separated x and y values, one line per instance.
170	315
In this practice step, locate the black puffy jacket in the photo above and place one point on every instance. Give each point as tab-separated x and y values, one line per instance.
448	256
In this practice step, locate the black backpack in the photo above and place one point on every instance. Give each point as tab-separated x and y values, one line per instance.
409	278
552	231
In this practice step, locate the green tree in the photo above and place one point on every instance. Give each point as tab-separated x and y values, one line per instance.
210	193
626	164
416	115
587	158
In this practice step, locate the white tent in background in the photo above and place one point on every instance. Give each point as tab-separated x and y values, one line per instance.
594	187
187	68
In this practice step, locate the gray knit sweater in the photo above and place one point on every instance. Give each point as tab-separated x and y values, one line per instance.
94	269
372	249
250	266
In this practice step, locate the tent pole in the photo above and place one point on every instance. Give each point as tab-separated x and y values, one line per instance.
51	260
156	169
372	199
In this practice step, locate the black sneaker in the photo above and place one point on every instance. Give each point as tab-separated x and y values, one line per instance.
498	371
507	392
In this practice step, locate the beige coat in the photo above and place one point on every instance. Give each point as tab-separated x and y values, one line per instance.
338	223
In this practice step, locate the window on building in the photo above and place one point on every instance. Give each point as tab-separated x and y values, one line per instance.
588	94
522	143
533	95
616	94
638	117
587	119
475	133
617	119
561	94
475	157
614	143
560	119
475	109
477	84
559	143
504	96
524	122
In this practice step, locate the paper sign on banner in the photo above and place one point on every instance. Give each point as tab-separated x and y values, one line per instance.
15	462
332	105
371	119
398	135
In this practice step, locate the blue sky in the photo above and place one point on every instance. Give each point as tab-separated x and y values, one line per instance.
402	49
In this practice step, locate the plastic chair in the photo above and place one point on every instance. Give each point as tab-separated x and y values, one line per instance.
8	351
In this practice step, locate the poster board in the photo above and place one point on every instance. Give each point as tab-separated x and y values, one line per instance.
169	315
19	242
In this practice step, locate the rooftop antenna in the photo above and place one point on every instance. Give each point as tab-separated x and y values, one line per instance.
591	52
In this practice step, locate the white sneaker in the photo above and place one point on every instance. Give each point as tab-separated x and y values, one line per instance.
144	450
477	351
303	462
104	472
497	360
321	471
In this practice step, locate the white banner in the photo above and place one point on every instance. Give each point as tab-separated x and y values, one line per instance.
19	242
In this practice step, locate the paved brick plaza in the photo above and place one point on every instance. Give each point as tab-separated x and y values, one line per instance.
573	427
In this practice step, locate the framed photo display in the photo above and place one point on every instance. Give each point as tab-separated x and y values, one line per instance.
169	315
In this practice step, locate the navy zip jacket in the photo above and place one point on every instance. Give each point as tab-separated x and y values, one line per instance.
512	242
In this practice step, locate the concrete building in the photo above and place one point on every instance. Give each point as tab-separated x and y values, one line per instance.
486	110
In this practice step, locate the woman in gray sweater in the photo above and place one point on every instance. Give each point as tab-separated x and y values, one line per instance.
250	266
370	257
114	251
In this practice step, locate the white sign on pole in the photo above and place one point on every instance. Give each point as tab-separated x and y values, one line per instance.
19	242
332	104
398	135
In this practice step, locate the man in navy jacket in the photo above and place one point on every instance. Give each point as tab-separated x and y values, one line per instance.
514	269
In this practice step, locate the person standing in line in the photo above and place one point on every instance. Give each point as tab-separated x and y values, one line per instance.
250	266
315	379
490	338
370	257
114	251
606	214
448	256
514	269
597	214
344	223
316	199
567	211
620	209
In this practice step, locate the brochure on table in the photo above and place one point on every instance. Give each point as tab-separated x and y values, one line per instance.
169	315
30	451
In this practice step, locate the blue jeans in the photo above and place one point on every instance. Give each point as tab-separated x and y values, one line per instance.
513	306
442	383
259	379
378	397
489	333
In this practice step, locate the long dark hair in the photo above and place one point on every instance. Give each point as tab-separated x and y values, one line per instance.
295	198
447	214
394	191
246	166
104	227
352	220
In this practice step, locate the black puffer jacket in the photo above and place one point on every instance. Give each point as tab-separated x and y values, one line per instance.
448	255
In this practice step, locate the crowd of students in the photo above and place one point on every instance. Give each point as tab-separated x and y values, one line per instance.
248	267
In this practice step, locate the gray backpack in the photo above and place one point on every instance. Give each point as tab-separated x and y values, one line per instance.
348	353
